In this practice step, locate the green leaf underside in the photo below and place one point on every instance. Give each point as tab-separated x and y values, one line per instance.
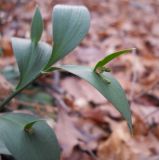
70	25
110	57
39	145
31	59
112	91
36	27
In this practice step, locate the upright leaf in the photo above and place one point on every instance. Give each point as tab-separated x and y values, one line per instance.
112	91
40	144
31	59
36	27
70	25
110	57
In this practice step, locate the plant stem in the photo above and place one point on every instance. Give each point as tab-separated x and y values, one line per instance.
9	98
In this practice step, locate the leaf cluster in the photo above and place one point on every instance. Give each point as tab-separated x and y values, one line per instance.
33	139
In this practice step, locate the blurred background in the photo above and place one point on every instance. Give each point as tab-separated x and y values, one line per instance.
87	126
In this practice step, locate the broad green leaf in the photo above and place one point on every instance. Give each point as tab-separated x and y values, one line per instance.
112	91
36	27
40	144
31	59
110	57
70	25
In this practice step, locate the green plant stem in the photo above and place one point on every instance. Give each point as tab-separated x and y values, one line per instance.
9	98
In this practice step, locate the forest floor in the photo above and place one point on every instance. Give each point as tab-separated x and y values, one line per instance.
87	126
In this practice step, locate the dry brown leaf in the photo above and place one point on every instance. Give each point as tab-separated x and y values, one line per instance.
67	133
122	146
5	45
80	89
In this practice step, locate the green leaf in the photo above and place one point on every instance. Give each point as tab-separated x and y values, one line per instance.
110	57
48	70
36	26
31	59
3	149
39	144
70	25
112	91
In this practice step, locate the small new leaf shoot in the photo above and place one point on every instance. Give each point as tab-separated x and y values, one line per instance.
110	57
29	126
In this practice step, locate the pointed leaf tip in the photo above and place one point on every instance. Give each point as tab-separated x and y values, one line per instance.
36	26
112	91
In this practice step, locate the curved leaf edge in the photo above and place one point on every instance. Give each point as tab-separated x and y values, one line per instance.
61	68
22	75
6	150
53	58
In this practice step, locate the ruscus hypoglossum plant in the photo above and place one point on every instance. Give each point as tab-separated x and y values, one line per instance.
27	137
